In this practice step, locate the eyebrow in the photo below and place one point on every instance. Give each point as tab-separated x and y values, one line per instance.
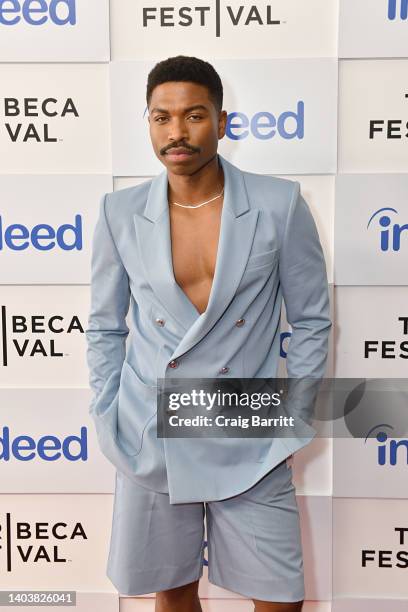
186	110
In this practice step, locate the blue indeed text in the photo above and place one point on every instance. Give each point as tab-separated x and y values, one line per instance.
42	237
37	12
48	448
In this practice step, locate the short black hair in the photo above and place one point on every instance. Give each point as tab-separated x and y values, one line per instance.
185	68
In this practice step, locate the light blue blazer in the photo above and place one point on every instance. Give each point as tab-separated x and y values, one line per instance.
268	249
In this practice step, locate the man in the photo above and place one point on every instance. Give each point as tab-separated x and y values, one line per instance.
204	254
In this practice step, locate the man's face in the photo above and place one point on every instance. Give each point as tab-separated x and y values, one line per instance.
184	126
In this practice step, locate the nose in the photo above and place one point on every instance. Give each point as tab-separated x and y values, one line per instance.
177	129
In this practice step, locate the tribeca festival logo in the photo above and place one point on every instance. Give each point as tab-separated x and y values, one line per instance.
35	336
387	558
215	14
389	349
393	128
36	542
46	448
390	232
16	111
37	12
394	5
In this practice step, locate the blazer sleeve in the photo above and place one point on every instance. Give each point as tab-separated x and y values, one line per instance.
303	279
110	294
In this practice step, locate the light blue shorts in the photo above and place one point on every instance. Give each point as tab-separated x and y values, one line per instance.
254	541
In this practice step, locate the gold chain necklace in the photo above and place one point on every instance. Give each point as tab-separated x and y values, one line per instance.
198	205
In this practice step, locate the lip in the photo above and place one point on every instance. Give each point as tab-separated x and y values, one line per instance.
179	154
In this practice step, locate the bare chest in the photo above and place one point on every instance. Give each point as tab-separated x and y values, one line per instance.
194	240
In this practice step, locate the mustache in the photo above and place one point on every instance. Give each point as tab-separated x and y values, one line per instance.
176	146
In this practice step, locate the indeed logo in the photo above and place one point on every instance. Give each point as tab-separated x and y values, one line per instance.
37	12
283	337
390	235
387	450
42	237
47	448
264	125
393	5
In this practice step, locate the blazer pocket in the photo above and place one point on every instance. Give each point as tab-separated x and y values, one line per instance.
137	407
104	401
262	259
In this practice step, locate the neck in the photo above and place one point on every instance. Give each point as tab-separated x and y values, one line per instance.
194	188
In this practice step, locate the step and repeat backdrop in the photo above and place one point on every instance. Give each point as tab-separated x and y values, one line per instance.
316	92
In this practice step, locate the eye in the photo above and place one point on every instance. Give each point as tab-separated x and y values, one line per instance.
157	119
196	116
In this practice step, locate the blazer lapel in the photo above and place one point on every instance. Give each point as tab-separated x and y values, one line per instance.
237	229
154	243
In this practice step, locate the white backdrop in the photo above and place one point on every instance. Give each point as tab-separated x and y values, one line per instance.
319	94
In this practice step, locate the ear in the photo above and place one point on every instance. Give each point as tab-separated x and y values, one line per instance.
222	123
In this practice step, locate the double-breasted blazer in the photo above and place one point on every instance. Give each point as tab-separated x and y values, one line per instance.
142	326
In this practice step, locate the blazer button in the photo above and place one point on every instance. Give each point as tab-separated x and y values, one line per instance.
224	370
174	363
160	322
240	322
